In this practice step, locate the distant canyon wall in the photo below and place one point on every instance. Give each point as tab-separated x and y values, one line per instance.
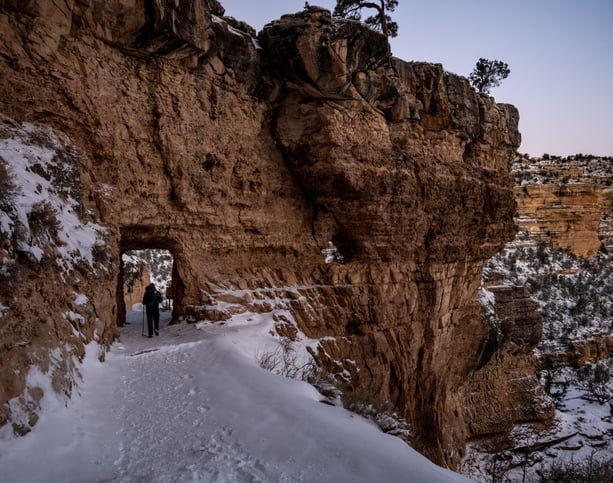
244	156
567	203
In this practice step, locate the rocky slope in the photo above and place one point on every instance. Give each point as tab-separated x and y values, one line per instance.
243	157
575	359
563	260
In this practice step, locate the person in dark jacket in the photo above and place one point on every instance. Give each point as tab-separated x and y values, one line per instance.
151	301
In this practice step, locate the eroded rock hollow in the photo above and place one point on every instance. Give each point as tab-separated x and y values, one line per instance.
244	156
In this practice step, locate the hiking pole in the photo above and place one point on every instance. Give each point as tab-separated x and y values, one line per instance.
143	331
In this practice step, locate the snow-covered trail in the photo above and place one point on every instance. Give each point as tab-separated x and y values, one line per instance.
169	430
193	405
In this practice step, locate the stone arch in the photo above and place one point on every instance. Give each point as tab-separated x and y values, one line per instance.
141	238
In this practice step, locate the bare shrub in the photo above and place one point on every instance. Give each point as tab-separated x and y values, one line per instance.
43	138
8	190
554	378
590	470
283	361
379	411
43	221
67	174
595	382
63	173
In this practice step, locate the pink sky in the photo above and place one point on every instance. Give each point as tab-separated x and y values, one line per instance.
560	53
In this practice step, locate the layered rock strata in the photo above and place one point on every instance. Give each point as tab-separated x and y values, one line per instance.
567	203
567	216
244	158
515	330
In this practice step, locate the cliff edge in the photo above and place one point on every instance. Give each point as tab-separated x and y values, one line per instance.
244	156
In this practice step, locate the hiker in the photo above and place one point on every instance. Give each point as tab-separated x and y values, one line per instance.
151	301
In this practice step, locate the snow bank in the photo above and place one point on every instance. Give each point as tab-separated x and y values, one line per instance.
193	405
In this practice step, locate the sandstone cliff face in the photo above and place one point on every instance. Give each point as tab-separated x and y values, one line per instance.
567	216
244	159
567	203
505	372
135	282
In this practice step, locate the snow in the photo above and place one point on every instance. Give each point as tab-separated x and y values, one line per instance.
194	405
235	31
29	152
74	317
158	262
581	431
574	296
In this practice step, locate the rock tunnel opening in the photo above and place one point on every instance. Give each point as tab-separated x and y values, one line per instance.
146	258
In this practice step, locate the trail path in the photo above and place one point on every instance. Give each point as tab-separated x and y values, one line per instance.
193	406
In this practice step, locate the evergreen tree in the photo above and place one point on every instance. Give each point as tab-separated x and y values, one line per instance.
380	21
488	74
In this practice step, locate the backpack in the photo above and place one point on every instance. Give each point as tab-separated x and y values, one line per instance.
150	298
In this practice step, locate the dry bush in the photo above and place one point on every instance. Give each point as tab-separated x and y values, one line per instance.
379	411
283	361
8	190
591	470
43	221
63	172
42	138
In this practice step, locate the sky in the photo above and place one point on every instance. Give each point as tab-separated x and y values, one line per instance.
560	53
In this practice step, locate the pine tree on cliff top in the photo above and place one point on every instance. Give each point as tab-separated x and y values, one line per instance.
380	21
487	74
